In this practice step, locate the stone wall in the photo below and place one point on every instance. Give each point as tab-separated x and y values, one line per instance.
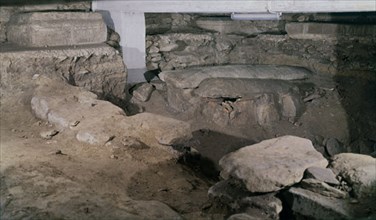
320	42
11	7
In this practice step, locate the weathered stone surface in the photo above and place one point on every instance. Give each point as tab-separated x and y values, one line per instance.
243	216
191	78
358	170
98	68
323	174
333	146
272	99
143	92
213	49
225	25
167	131
320	31
73	104
317	206
39	29
234	195
271	164
322	188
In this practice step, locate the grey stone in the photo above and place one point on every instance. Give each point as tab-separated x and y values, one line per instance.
243	216
167	131
272	164
322	188
225	25
358	170
322	174
321	31
266	110
40	29
142	92
191	78
98	68
242	88
333	146
49	134
317	206
233	194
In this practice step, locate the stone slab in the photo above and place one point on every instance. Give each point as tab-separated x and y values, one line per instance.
323	174
272	164
317	206
40	29
225	25
191	78
321	31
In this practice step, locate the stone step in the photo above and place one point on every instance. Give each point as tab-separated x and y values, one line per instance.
322	31
40	29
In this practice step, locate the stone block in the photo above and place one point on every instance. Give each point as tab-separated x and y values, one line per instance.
272	164
225	25
40	29
321	31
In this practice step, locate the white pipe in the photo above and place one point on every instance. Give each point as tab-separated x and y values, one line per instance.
256	16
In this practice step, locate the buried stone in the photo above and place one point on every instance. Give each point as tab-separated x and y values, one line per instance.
272	164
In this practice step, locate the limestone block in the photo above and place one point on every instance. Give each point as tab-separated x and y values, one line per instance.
39	29
225	25
323	174
358	170
191	78
272	164
321	31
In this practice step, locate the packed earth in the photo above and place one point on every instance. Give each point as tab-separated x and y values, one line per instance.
237	120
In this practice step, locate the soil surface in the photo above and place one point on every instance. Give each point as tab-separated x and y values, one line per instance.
61	178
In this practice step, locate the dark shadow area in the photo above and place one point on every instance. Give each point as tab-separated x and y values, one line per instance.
207	147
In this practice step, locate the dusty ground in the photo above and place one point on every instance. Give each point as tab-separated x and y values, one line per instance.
64	179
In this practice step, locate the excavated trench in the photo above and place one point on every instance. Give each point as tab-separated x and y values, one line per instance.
181	139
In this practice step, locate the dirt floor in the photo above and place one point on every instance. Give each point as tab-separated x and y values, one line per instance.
62	178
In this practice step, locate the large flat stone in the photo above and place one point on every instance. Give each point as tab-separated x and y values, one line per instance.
272	164
191	78
321	31
316	206
225	25
357	169
40	29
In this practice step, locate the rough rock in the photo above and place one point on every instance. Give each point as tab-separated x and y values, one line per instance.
234	195
191	78
333	146
49	134
271	99
272	164
320	31
212	49
317	206
225	25
167	131
323	174
243	216
62	104
142	92
40	29
358	170
97	68
322	188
